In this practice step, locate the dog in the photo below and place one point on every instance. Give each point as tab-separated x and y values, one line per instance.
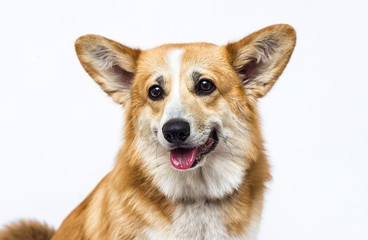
192	165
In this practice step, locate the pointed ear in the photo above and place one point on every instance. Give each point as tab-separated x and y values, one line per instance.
109	63
260	58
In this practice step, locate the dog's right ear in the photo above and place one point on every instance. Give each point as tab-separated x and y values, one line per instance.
111	64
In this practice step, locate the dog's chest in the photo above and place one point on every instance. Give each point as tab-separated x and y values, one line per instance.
194	221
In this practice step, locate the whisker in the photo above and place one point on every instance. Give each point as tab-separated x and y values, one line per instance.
156	159
226	143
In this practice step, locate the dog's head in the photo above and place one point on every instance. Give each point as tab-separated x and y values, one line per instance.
191	108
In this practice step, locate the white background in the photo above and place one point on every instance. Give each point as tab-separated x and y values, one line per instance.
59	133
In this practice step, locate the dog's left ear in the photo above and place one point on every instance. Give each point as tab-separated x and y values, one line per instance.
111	64
260	58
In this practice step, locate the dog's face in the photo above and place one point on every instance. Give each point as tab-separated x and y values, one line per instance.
191	108
187	94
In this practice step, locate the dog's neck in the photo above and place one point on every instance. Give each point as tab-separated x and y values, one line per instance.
239	208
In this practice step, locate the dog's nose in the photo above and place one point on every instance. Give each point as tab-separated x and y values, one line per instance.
176	130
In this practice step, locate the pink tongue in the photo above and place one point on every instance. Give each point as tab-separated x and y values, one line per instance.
182	158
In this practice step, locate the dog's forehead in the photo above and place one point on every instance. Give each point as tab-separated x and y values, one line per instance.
201	55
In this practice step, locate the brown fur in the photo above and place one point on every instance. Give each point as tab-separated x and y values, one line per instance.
27	230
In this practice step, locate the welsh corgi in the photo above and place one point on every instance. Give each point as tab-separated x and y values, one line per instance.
192	165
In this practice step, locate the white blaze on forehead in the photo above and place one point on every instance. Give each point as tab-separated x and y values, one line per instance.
173	108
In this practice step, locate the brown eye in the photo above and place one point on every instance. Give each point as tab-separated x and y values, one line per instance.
155	92
205	87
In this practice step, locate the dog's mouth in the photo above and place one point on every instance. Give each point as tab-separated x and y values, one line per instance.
185	158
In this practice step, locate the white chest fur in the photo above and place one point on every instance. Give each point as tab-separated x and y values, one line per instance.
196	221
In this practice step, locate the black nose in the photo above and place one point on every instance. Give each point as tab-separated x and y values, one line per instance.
176	130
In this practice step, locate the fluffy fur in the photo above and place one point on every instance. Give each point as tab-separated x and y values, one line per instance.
144	196
27	230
